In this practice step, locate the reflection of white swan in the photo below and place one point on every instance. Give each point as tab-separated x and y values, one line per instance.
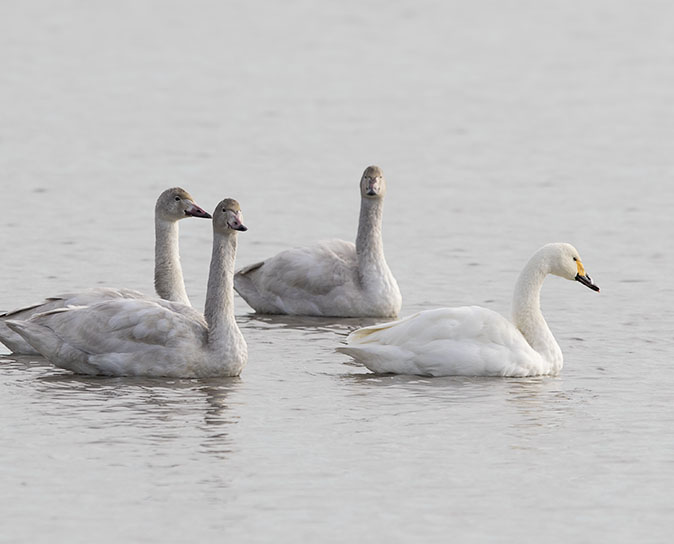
145	338
332	278
172	205
474	341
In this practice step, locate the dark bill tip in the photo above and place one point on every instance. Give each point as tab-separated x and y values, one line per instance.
236	225
587	282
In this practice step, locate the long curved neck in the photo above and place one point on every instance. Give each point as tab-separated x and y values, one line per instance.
168	274
219	310
369	243
526	311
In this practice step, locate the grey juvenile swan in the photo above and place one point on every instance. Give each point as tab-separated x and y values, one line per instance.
172	205
135	337
334	277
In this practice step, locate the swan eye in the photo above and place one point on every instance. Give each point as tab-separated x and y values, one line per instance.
177	199
575	259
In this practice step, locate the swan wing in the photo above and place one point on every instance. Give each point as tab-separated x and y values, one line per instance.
124	325
298	277
82	298
315	270
470	341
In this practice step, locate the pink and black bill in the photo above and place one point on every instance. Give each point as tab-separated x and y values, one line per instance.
196	211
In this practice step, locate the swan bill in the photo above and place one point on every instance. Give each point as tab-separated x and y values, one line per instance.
587	282
235	222
196	211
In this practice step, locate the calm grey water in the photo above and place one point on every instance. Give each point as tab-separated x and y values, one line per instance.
500	127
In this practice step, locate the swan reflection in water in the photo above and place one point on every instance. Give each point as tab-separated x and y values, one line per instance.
164	413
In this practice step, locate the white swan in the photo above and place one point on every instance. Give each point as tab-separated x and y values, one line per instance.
172	205
145	338
474	341
332	278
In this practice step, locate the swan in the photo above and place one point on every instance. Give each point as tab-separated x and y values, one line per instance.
135	337
172	205
333	278
475	341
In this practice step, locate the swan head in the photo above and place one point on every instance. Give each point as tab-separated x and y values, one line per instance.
372	184
176	203
564	260
227	217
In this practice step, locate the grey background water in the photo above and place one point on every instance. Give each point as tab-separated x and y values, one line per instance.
500	127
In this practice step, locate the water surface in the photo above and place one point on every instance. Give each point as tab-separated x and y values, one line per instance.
499	128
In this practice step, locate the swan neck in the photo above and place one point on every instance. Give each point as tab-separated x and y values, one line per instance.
369	243
527	296
219	309
527	315
168	274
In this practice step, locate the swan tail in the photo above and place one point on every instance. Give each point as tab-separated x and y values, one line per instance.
355	353
380	359
247	287
249	268
14	341
46	342
41	338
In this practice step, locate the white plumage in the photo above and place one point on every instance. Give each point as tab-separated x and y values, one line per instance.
172	205
474	341
129	337
332	278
